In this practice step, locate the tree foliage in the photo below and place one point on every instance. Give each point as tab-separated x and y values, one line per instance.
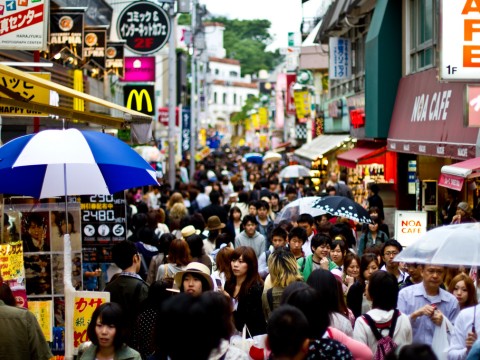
246	41
242	115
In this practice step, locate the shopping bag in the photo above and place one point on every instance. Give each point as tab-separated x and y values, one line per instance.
440	341
241	341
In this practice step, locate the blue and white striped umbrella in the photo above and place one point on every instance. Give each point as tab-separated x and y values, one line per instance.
70	162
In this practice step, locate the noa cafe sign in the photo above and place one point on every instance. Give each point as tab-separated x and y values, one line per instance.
409	226
460	40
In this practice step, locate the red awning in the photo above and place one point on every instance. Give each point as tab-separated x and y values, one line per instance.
428	119
453	176
362	155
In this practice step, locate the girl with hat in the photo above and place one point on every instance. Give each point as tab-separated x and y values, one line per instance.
194	279
464	214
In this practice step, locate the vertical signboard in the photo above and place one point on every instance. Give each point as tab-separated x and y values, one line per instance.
94	50
103	224
140	98
66	33
139	69
459	40
340	58
114	58
23	25
186	120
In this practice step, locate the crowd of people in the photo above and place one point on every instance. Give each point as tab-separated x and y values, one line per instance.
212	263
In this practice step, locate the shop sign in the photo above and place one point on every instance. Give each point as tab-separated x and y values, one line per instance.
473	109
409	225
412	176
43	312
140	98
290	102
84	304
186	120
460	36
145	26
115	61
23	25
28	91
139	69
66	33
302	103
95	42
11	261
163	116
340	51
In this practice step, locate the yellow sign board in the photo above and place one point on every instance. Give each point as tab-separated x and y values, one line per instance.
43	311
26	90
84	306
11	261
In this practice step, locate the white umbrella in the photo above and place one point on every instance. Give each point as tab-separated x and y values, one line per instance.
293	209
149	153
294	171
446	245
272	156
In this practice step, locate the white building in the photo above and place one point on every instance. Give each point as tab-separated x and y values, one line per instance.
227	90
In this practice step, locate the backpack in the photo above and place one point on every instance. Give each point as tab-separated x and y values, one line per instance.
384	344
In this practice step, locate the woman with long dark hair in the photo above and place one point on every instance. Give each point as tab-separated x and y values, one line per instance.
245	289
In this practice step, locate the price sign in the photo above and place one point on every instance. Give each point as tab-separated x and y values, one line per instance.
103	224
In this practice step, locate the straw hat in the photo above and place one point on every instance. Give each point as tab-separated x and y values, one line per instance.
214	223
196	268
189	231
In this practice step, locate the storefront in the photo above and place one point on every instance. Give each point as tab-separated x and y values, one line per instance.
428	130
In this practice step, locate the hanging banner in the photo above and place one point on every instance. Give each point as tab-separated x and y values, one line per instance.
263	113
24	25
66	35
340	58
302	103
145	27
94	50
43	311
11	261
114	58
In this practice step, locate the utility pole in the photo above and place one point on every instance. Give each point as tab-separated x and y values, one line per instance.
194	114
172	97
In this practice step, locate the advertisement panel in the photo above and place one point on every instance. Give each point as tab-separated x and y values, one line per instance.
145	27
95	42
140	98
409	225
139	69
459	40
66	34
340	58
186	121
23	25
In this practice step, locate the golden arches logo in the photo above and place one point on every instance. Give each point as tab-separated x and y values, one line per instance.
139	100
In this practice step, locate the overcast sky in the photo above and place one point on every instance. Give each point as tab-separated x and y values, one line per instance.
285	15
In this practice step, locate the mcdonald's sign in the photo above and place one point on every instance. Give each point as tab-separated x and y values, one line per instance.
140	98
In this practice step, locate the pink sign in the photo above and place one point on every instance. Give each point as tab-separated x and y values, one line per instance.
451	181
139	69
473	94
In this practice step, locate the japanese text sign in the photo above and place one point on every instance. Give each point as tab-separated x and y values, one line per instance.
23	25
460	37
145	26
340	58
85	304
43	311
28	91
66	33
11	261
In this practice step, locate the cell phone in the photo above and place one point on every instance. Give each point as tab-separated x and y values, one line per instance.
219	283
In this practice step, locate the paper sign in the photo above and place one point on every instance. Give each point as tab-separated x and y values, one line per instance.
11	261
84	305
409	226
43	311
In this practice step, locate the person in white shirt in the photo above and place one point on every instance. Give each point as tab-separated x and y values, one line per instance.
306	221
383	291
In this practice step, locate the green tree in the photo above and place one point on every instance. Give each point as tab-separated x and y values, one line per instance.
239	117
246	41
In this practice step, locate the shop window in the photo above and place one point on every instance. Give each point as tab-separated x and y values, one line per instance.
214	97
234	99
422	41
224	100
